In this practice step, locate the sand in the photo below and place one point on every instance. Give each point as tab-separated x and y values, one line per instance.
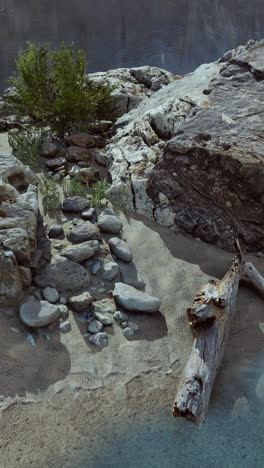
65	404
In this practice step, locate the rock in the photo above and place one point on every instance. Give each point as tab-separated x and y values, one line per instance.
31	340
102	159
75	153
52	148
56	177
58	247
54	163
104	306
83	233
64	312
74	171
36	313
134	300
128	332
110	270
120	249
64	275
81	302
129	275
102	290
106	318
75	204
124	324
100	340
89	214
88	175
80	139
55	231
51	295
108	222
15	330
95	326
97	267
63	300
65	327
120	316
80	252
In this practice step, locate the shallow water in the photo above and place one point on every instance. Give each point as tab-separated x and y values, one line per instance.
177	35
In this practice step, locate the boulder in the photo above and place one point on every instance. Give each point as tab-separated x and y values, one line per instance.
120	249
64	275
88	214
75	153
80	139
99	339
54	163
83	232
36	313
79	253
75	204
134	300
81	302
109	223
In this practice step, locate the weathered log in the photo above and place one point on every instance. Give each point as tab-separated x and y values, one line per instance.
209	317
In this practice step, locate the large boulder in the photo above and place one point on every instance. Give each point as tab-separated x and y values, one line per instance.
64	275
191	155
75	204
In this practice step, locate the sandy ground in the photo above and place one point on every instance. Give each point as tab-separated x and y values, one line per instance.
61	399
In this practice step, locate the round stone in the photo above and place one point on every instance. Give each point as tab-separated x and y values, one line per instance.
100	340
65	327
108	222
55	231
128	332
120	249
50	295
75	204
95	326
36	313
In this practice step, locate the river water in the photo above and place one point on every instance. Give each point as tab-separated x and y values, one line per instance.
177	35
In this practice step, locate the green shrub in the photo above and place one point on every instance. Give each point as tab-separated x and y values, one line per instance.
51	88
26	145
99	193
74	188
50	193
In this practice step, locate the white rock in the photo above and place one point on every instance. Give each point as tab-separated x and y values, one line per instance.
134	300
110	271
36	313
81	302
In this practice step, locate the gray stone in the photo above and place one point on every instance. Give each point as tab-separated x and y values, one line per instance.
31	340
64	312
83	232
50	295
120	249
134	300
110	271
102	159
97	267
108	222
80	252
51	148
124	324
65	327
100	340
55	231
128	332
81	302
88	214
95	326
129	275
36	313
84	140
64	275
120	316
105	318
75	204
75	153
104	306
54	163
63	300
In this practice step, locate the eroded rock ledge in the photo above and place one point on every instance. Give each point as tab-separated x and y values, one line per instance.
191	155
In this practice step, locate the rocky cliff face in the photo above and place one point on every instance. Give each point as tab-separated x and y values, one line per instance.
191	155
18	224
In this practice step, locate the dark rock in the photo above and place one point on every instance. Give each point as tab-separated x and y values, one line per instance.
75	204
55	231
83	232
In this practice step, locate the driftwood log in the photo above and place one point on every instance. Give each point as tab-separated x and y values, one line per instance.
210	316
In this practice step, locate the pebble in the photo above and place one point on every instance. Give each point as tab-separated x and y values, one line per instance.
64	312
128	332
120	249
95	326
97	267
30	339
124	324
99	339
120	316
63	300
65	327
15	330
50	294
